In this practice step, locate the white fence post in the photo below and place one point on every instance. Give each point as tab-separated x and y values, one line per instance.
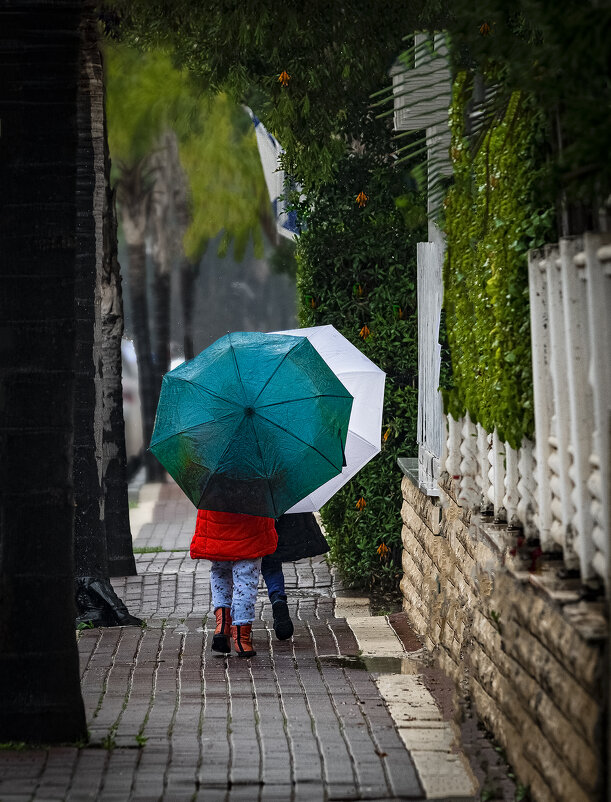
497	476
543	392
483	448
527	488
454	438
511	497
469	495
575	308
597	267
559	458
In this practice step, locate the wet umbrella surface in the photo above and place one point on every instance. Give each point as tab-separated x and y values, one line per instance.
253	424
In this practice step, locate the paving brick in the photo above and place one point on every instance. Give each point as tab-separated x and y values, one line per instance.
188	724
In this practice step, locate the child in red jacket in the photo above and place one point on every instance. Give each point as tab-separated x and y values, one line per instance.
234	544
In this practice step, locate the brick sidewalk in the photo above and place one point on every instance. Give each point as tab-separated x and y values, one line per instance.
169	720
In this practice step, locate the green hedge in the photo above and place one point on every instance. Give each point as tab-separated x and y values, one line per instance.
357	271
492	216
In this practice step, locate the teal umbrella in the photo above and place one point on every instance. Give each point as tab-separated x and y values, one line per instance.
253	424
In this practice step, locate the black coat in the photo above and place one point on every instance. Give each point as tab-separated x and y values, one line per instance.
299	536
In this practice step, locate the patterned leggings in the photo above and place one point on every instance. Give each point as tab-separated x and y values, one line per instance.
234	584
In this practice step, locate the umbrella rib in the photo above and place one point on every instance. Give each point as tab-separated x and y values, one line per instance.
227	447
211	392
188	428
306	398
299	440
271	495
276	369
235	363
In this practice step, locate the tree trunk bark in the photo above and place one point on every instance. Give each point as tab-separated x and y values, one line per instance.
40	699
114	459
96	599
89	535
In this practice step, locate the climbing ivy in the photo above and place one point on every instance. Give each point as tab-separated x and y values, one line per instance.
357	271
492	216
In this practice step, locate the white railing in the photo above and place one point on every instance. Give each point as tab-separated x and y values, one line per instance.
557	487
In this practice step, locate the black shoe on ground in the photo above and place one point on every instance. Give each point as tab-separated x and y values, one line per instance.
283	626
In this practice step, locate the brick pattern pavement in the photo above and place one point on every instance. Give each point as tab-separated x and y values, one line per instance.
169	720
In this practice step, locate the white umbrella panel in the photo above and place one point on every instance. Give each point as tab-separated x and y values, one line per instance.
365	382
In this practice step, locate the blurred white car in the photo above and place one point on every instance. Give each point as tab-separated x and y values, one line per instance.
131	406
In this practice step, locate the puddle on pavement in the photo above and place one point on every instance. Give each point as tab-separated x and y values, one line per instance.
374	665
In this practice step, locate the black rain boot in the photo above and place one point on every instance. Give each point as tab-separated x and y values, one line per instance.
283	626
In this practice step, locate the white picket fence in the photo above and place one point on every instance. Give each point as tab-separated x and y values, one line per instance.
556	488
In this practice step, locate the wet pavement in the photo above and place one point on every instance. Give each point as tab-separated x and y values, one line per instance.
341	711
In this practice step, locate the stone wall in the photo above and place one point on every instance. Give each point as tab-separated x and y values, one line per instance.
524	648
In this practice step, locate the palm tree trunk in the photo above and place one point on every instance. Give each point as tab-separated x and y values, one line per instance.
188	274
135	202
161	219
188	269
114	459
40	699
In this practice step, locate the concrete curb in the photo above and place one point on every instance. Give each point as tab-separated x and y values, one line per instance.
432	742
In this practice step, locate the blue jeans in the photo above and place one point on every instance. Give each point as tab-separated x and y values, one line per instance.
271	569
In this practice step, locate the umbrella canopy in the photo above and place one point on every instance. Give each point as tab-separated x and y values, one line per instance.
253	424
365	382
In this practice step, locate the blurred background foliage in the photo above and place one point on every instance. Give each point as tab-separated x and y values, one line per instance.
334	56
148	96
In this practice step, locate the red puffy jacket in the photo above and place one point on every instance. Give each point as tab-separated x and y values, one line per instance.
232	536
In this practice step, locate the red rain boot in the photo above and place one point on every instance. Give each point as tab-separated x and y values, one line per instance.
242	640
220	641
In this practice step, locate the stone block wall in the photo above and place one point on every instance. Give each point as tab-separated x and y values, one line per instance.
531	661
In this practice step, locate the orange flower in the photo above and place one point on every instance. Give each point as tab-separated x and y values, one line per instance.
386	434
383	550
484	29
364	332
284	78
362	199
361	504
